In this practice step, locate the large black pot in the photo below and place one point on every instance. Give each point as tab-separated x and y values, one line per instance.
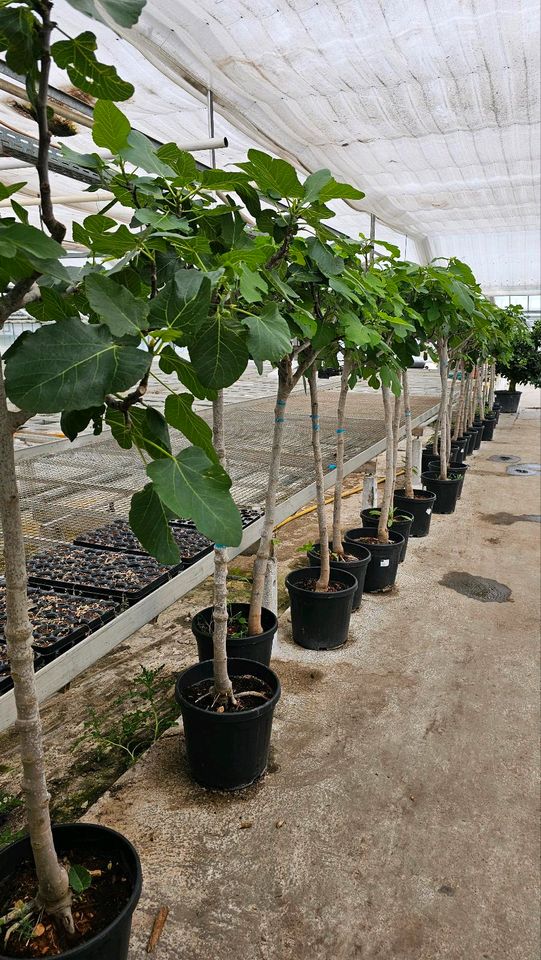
457	469
508	401
489	424
320	621
446	492
479	426
420	506
401	522
471	435
357	567
460	444
112	943
258	648
385	557
227	751
496	410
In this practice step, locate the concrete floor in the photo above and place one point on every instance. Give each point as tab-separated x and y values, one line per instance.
397	819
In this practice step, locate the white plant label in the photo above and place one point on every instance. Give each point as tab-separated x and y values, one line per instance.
429	510
384	563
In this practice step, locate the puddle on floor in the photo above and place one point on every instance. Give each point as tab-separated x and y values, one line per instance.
506	519
478	588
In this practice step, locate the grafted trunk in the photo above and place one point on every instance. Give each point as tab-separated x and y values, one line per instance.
408	465
444	446
53	889
223	688
260	564
340	447
383	531
325	568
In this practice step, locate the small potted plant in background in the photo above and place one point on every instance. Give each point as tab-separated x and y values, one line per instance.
519	361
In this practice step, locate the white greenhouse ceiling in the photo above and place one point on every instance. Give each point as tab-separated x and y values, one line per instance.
431	108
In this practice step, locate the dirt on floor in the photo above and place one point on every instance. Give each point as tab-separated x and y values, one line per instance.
396	819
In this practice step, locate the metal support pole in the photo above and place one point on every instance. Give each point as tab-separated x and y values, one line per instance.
369	495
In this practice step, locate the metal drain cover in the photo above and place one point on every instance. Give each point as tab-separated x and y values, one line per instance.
535	467
504	458
521	470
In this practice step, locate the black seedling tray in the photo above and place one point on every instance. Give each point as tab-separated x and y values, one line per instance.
248	515
6	683
125	577
60	620
119	536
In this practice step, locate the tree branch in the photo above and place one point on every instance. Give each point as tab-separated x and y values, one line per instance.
55	228
123	404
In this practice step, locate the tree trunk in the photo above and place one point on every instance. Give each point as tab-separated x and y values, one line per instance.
408	465
444	369
54	894
492	385
260	564
340	447
383	530
325	569
479	384
223	688
460	409
396	439
469	395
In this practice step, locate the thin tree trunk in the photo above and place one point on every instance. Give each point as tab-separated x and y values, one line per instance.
460	409
223	688
54	894
444	369
408	465
340	447
325	568
479	393
492	385
383	530
396	438
260	564
469	395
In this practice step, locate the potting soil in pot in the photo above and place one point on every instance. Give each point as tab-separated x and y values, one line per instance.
334	586
93	910
250	692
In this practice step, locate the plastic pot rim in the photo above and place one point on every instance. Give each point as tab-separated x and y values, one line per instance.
233	663
316	573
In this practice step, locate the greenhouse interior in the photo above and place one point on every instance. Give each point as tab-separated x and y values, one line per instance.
270	479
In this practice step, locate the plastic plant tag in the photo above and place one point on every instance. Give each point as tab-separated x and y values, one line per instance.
429	511
384	563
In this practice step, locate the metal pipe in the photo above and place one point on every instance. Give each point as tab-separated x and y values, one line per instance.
100	196
60	108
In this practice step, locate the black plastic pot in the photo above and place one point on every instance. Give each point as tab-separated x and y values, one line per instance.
320	621
420	506
458	468
446	492
258	648
459	445
385	557
479	426
112	943
472	437
496	410
402	522
357	567
489	424
227	751
508	401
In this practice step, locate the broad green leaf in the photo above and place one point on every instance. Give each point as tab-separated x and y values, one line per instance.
78	58
7	190
79	878
254	255
161	220
253	287
180	161
97	234
124	12
143	427
20	212
149	521
115	305
192	486
91	161
179	414
249	197
19	38
31	241
275	177
355	331
141	153
111	127
171	362
313	184
221	179
52	306
69	365
73	422
328	263
284	288
183	304
340	286
218	353
334	190
269	337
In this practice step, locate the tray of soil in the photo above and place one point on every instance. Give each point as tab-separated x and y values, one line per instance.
6	683
446	490
320	620
99	573
102	913
420	506
400	521
248	515
239	642
119	536
228	750
384	560
355	559
60	620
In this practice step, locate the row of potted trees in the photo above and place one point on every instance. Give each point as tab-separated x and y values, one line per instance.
232	267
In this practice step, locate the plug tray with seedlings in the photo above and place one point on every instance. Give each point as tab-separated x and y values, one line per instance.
6	683
119	536
125	577
248	515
